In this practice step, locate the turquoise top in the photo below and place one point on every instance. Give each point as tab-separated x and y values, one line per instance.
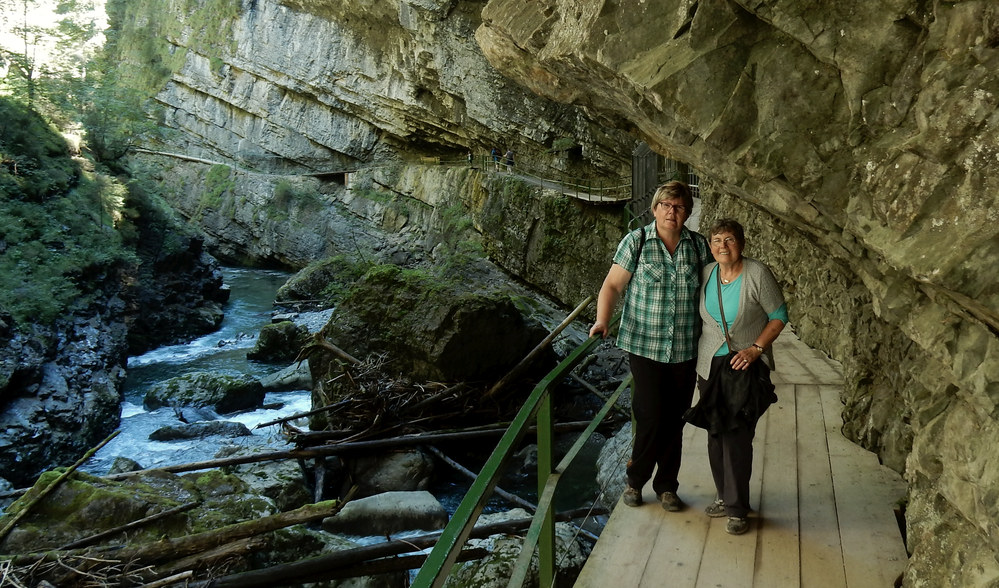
730	298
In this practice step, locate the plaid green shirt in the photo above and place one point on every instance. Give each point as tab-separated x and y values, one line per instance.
660	319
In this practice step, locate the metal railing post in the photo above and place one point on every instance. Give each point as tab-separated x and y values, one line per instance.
546	541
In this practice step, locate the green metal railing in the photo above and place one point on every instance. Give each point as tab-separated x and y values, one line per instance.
538	406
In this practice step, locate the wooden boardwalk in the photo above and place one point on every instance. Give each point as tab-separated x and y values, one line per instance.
823	507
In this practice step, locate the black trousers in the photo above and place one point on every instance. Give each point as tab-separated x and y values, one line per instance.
661	393
731	457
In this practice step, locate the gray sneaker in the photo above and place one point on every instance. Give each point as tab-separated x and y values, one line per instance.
632	496
715	509
737	525
670	501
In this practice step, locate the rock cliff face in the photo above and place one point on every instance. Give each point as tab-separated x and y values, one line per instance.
315	85
857	141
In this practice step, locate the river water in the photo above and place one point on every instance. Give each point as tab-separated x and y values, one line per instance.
249	309
224	351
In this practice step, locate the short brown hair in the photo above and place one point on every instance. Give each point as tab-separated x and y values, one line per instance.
672	190
728	225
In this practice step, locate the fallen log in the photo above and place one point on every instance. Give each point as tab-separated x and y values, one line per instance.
302	414
173	549
221	554
313	567
386	565
596	392
321	342
310	438
508	496
169	580
342	448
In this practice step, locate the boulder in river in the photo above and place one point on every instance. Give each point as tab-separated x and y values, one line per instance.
432	328
279	342
200	431
404	470
388	513
221	392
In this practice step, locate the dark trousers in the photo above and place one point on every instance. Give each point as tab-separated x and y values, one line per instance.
731	458
661	393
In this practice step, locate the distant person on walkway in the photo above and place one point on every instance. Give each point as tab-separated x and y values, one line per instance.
496	158
509	160
469	158
660	266
734	359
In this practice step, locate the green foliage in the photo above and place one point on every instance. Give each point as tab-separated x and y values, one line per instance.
47	60
142	33
379	196
218	181
150	224
563	144
116	117
56	224
459	243
287	198
455	219
34	159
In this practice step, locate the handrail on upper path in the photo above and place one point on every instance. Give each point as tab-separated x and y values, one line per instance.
538	406
597	191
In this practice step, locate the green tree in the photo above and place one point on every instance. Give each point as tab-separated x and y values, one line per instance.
44	55
116	117
21	60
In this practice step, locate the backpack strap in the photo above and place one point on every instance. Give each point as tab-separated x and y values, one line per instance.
641	243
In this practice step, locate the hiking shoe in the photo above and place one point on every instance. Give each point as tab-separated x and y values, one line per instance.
632	496
737	525
670	501
715	509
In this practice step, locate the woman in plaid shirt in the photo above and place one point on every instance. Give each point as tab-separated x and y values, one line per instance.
659	266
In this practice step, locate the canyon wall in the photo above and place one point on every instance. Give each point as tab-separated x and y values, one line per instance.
857	141
304	86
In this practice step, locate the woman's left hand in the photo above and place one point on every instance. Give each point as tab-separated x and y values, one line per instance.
742	359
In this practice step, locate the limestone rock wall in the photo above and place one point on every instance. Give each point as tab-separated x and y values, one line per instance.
318	85
859	142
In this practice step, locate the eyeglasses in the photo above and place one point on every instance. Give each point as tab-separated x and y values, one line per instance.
726	240
677	208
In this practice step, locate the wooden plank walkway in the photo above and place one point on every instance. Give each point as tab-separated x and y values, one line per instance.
823	507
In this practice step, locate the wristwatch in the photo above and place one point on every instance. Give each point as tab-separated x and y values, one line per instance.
758	347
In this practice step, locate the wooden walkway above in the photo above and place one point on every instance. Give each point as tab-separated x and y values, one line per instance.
824	508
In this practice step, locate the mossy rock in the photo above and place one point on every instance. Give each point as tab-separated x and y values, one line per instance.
221	392
279	342
321	284
433	329
84	505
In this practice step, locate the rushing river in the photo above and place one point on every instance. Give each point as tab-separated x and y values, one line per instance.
250	308
224	351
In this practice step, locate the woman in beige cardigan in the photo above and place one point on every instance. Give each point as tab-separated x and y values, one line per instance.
754	314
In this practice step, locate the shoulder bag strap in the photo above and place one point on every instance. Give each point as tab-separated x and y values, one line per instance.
721	309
